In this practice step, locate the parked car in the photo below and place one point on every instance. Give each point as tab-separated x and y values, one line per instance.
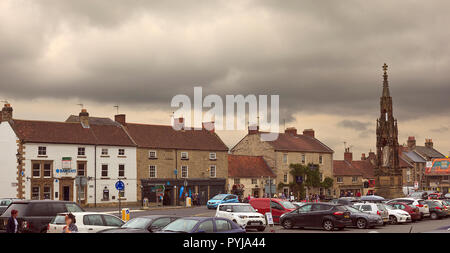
242	214
4	203
202	225
435	195
397	216
35	215
363	220
325	215
411	210
299	204
279	207
143	224
445	204
220	199
420	203
374	208
447	196
437	210
347	201
418	195
87	222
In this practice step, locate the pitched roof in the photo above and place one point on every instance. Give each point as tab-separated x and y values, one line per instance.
243	166
163	136
404	163
299	143
93	120
414	157
365	167
69	133
428	152
344	168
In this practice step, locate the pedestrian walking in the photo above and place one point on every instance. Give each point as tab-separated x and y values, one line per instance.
70	224
13	225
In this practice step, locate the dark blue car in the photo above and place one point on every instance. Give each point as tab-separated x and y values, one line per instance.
202	225
221	199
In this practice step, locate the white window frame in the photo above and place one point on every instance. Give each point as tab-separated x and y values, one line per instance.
107	170
83	149
84	169
184	157
285	158
187	171
118	152
237	181
43	170
320	159
354	179
38	192
152	157
303	158
42	151
339	180
254	181
32	170
105	153
49	193
82	193
211	170
150	171
212	156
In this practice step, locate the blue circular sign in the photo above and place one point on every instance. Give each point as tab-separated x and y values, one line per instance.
120	185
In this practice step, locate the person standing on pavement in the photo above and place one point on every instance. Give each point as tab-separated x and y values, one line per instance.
13	225
70	224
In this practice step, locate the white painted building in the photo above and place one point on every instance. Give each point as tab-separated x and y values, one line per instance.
41	159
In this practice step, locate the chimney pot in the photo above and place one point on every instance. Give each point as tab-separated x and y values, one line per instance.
348	156
291	131
363	156
309	132
120	118
84	118
429	143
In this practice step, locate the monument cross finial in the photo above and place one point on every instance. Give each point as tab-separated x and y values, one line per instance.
385	67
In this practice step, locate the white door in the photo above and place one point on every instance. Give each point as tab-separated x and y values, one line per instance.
92	223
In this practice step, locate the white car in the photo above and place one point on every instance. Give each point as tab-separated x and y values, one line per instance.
374	208
242	214
397	216
420	203
87	222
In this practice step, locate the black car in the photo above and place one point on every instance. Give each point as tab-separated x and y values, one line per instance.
203	225
437	210
364	220
325	215
4	203
35	215
143	224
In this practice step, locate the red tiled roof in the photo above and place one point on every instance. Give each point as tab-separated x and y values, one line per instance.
70	133
299	143
365	167
243	166
163	136
344	168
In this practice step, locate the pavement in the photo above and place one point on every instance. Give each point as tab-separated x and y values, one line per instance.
425	225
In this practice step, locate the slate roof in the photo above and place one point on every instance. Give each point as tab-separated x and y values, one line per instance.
299	143
165	137
428	152
413	156
242	166
70	133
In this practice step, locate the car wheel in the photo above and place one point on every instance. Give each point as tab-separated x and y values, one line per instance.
393	220
287	224
328	225
434	216
361	223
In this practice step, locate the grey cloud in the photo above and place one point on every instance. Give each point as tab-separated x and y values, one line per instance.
354	125
442	129
320	57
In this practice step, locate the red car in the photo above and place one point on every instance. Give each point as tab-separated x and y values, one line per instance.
279	207
412	210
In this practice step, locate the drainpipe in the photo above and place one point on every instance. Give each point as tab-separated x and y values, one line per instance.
95	176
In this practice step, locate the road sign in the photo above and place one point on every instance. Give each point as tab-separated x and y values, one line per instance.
269	219
175	171
120	186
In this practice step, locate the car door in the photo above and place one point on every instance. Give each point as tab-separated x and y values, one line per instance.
277	211
300	218
92	223
205	227
223	226
366	208
314	217
158	224
111	221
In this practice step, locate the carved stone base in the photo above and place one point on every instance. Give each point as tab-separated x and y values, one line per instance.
389	187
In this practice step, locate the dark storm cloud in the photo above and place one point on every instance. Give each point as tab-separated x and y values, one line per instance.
320	57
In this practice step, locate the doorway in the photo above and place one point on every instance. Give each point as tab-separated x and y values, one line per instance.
66	193
66	189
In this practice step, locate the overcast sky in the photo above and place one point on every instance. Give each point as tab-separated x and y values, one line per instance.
323	58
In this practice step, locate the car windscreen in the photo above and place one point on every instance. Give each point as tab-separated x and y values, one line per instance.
243	209
59	219
181	226
381	207
138	223
287	205
219	197
341	208
73	208
22	208
5	202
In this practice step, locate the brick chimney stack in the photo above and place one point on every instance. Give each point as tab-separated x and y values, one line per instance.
411	142
84	118
291	131
121	119
309	132
253	129
429	143
372	157
7	113
209	126
348	156
178	124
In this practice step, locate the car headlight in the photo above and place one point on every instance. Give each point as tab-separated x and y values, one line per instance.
243	217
